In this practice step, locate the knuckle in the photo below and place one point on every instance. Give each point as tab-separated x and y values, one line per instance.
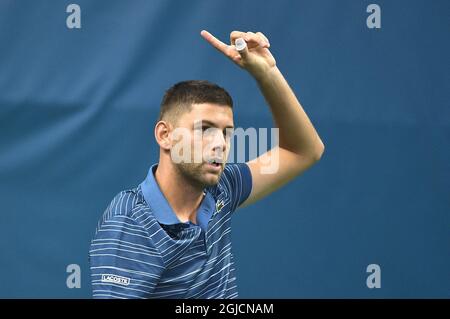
263	36
234	33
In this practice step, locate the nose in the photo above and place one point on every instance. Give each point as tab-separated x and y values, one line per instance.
216	144
219	142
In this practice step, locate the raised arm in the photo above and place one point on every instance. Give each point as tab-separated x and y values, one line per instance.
299	144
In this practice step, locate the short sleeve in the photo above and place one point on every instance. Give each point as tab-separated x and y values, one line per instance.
237	180
124	260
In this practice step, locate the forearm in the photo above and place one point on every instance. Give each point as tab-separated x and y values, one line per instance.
296	132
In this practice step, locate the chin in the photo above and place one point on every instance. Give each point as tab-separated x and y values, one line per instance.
210	180
199	175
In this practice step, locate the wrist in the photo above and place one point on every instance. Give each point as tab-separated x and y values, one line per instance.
266	74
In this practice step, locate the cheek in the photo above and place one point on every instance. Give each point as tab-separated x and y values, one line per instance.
198	145
207	143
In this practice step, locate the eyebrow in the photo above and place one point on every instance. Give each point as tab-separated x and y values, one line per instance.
207	122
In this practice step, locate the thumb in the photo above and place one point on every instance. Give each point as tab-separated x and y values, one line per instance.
241	47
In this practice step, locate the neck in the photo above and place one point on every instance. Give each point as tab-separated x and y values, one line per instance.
183	197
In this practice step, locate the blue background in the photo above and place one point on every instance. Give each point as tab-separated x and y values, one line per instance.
77	109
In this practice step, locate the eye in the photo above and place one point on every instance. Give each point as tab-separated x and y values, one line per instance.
208	131
202	128
227	133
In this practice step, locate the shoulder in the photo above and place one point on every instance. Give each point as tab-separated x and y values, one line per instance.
125	203
234	184
235	172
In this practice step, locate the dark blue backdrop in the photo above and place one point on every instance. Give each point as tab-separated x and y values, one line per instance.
77	106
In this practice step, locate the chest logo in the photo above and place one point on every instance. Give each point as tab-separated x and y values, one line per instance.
219	205
124	281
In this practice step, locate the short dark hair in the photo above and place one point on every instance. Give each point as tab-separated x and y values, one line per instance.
180	97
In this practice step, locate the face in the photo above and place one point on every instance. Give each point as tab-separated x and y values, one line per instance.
202	138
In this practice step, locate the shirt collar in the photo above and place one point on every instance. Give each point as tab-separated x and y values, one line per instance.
161	208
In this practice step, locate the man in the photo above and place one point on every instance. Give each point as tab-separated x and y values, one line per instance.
170	236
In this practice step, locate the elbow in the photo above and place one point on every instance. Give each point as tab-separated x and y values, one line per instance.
319	152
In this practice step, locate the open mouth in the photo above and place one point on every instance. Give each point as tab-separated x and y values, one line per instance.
214	163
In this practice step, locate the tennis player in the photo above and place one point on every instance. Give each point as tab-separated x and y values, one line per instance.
170	237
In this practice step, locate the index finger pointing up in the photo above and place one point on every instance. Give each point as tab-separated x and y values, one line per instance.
219	45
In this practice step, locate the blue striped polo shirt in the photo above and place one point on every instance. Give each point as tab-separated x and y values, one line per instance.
142	250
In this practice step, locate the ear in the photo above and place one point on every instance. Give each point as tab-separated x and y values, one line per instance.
162	134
